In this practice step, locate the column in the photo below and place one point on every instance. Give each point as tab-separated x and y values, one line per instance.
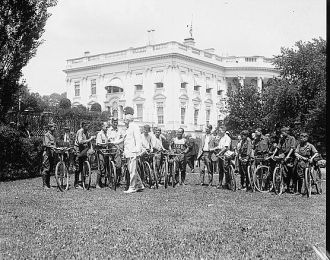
259	83
241	80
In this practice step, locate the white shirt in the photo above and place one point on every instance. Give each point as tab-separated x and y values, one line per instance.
146	141
114	135
66	137
132	140
157	143
224	141
206	143
101	138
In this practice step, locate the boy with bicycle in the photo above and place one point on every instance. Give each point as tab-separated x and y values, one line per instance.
102	143
244	154
81	146
305	153
48	158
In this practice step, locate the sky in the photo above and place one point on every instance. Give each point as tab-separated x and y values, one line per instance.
232	27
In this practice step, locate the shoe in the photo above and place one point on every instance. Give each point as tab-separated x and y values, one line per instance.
243	189
78	187
130	191
297	193
202	184
98	187
46	188
219	187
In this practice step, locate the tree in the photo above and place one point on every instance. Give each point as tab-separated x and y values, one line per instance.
301	90
96	107
21	27
244	108
65	103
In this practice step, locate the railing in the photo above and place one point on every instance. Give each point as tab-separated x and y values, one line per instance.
170	46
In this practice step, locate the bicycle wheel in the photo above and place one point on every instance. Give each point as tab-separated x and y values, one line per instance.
62	176
112	175
86	175
165	174
231	178
308	182
250	174
317	179
261	181
148	173
174	169
155	175
126	175
278	180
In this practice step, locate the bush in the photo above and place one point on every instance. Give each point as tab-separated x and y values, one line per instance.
20	157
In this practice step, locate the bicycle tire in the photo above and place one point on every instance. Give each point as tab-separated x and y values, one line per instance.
149	173
62	176
317	177
86	175
261	177
112	175
232	179
308	182
127	176
251	177
155	175
165	172
173	173
278	181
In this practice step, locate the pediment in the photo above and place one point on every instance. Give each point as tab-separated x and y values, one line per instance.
184	97
138	99
197	100
208	101
159	96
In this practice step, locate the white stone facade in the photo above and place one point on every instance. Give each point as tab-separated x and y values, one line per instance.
170	85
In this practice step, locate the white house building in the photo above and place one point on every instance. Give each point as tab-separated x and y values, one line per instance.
170	85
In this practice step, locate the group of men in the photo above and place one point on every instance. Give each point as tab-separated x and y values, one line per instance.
213	153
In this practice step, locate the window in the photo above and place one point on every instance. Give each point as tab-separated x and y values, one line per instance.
138	87
208	90
196	88
183	114
159	85
114	89
77	89
219	92
139	112
160	113
183	85
93	87
196	111
115	113
208	112
250	59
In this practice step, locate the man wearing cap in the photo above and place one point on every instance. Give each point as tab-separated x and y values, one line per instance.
223	147
286	148
146	139
102	143
81	145
157	145
132	148
260	145
204	154
114	134
244	155
48	161
305	153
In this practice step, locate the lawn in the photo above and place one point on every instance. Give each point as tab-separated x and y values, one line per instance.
185	222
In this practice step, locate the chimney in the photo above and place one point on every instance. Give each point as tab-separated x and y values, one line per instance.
189	42
86	53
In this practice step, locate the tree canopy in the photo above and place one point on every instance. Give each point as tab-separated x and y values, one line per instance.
21	27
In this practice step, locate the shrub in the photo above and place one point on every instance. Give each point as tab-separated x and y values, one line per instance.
20	157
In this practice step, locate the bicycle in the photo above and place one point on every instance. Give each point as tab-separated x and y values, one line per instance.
232	185
147	175
86	173
61	169
262	174
109	176
169	169
312	177
278	175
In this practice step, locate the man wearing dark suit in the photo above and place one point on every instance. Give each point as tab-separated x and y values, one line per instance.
204	154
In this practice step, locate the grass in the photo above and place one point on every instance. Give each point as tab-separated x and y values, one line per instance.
187	222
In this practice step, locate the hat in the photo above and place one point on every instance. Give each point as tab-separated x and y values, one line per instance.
227	132
51	124
128	111
114	119
146	127
285	129
66	128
